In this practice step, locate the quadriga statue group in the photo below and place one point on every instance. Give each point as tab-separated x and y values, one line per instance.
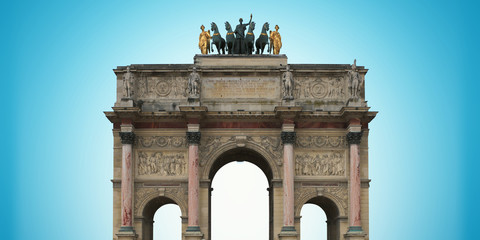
239	42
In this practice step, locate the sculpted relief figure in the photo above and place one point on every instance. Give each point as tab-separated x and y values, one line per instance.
204	40
194	83
355	80
128	79
288	84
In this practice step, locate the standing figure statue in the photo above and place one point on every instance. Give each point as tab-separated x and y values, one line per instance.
288	84
240	47
204	40
128	79
230	38
355	80
277	40
194	83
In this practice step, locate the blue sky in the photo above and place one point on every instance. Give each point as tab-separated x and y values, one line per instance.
57	60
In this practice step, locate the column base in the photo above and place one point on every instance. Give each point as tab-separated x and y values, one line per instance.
193	233
288	233
355	233
126	233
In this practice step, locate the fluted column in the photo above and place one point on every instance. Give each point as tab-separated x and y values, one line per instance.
288	139
193	139
127	139
353	139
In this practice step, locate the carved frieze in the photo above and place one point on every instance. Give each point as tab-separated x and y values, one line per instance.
161	163
328	163
161	87
160	142
330	88
321	141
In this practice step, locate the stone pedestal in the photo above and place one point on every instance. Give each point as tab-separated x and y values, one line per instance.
125	102
126	235
354	235
193	235
288	235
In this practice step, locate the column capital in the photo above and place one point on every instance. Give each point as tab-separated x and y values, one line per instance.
194	137
127	137
354	137
288	137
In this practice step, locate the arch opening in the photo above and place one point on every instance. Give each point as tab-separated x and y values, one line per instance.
237	172
159	217
328	221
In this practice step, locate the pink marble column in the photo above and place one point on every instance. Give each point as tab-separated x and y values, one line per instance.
127	141
193	139
353	139
288	139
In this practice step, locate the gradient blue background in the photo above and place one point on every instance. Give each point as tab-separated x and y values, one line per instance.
57	60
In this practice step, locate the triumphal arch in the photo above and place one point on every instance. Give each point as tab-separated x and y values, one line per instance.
304	125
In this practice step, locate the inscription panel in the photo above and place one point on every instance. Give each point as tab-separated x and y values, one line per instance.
241	87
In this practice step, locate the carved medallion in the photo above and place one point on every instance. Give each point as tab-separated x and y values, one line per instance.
162	88
319	90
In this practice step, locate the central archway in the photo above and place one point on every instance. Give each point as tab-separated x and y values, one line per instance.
243	155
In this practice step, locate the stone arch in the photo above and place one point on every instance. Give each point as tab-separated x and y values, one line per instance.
329	203
250	152
305	195
145	196
269	166
150	204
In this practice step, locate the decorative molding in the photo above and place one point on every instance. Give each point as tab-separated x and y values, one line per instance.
127	137
321	142
354	137
288	137
194	137
328	163
172	87
160	142
161	164
210	144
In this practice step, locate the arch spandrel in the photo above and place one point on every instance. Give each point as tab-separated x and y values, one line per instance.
143	196
208	157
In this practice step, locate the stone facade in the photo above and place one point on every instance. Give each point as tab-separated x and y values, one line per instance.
306	144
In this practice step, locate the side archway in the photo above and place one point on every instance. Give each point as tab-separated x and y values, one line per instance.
150	201
329	204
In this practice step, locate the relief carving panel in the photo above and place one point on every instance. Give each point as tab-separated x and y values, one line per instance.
161	163
160	142
321	142
327	163
174	87
329	88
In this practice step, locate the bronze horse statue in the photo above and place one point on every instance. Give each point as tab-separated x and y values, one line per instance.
262	40
217	39
230	38
250	38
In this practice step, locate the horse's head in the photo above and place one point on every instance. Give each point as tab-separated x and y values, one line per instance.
266	26
251	27
227	26
213	26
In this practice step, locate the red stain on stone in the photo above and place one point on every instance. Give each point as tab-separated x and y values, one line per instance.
320	125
